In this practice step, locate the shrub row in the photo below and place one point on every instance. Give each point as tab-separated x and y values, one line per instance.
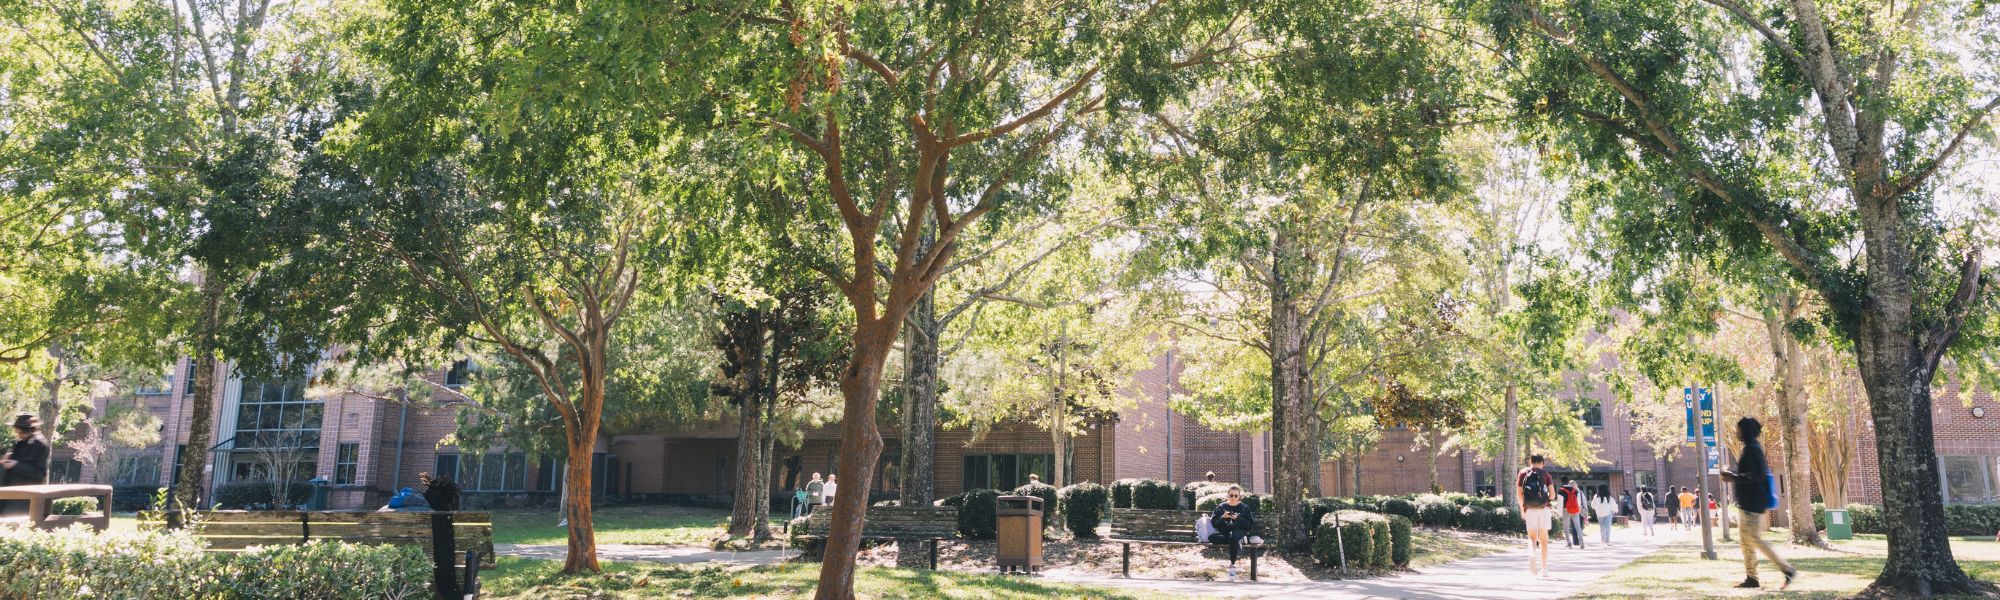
1981	520
76	563
1084	506
1368	540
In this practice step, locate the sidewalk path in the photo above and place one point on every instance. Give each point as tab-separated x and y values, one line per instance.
658	554
1502	576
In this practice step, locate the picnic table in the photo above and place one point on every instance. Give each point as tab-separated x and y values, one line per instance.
42	499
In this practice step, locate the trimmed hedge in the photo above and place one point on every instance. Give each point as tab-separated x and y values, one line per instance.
1436	512
1352	537
75	563
1401	507
1083	508
1476	518
1400	542
1507	520
1380	547
1155	494
1982	520
1121	492
976	518
1048	495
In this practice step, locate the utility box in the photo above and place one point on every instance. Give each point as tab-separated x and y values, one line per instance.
1837	525
317	501
1018	521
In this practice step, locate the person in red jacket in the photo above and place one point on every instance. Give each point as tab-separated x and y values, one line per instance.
1573	512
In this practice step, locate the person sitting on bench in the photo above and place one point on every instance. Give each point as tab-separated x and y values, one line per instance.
1233	520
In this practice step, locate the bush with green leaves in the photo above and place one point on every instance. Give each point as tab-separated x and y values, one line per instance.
72	506
1506	520
243	494
1475	518
1399	506
1381	548
1348	532
976	518
1437	512
1048	495
1121	492
76	563
1083	508
1155	494
1400	542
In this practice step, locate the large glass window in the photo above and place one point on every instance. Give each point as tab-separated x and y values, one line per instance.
346	460
492	472
65	470
277	415
1482	483
1004	471
1970	479
143	469
1593	411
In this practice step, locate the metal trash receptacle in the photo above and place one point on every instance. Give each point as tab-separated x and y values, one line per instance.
1838	527
317	499
1018	521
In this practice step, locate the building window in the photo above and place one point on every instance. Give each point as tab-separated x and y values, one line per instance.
65	470
138	470
493	472
1970	479
180	451
278	415
346	457
1004	471
188	382
1593	412
159	387
1482	484
460	373
1646	479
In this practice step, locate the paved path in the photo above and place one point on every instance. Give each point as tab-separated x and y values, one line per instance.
658	554
1501	576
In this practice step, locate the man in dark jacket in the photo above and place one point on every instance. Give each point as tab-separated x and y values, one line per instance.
1233	520
27	463
1753	497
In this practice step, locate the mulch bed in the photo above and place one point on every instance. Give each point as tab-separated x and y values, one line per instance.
1094	557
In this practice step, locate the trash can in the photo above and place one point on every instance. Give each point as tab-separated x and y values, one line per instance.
1837	525
317	501
1019	529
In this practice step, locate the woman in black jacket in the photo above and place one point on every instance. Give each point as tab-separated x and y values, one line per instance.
27	463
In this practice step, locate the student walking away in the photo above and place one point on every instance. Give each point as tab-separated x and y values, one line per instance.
1573	512
815	492
27	463
1647	504
1753	498
1534	486
1606	511
1233	520
827	490
1687	508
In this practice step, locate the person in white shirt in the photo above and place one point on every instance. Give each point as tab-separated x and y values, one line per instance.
826	492
1607	511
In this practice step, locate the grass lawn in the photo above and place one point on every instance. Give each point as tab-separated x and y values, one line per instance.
526	578
668	525
1436	546
1677	571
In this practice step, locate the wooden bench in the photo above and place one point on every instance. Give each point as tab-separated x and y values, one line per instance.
925	523
42	500
454	540
1148	526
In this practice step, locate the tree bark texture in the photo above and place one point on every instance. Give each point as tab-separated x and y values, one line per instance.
201	403
920	368
1292	459
582	445
744	340
860	447
1788	365
749	443
1510	455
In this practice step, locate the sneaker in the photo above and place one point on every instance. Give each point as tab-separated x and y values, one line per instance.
1232	573
1748	583
1789	576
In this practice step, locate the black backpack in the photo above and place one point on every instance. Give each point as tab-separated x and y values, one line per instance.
1535	489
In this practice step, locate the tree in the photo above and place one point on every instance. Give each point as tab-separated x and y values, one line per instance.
777	347
1729	104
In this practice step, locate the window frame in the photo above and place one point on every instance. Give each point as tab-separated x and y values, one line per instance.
346	463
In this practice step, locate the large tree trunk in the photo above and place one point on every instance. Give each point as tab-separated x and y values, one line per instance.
760	516
860	447
581	442
201	403
1292	460
1788	362
920	365
749	443
1897	375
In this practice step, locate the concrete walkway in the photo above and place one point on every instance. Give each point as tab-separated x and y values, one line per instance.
1502	576
647	553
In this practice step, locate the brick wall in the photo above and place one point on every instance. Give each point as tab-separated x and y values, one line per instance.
1954	432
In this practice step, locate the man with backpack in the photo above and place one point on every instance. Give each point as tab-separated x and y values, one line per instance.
1533	486
1754	497
1647	503
1572	507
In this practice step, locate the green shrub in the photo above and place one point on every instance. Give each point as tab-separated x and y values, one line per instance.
1399	538
1460	498
243	494
1083	508
1867	518
1209	502
1399	506
976	520
1488	502
1354	534
952	501
73	506
1971	519
1048	495
1257	502
1475	518
1121	492
76	563
1437	512
1506	520
1316	508
1155	494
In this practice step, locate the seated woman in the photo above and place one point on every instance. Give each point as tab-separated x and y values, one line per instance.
1233	520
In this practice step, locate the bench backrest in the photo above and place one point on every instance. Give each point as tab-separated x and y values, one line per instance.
893	522
1153	524
234	530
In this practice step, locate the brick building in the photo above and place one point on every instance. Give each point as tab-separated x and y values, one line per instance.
1967	438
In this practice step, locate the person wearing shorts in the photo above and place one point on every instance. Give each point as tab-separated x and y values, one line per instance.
1536	511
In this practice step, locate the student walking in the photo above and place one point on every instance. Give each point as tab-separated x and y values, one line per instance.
815	492
1687	508
1233	520
1647	504
1533	486
1606	510
1573	512
1753	498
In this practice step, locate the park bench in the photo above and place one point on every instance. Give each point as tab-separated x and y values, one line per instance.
42	500
454	540
1151	526
904	525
